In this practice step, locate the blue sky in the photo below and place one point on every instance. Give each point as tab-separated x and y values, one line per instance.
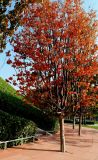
92	4
6	71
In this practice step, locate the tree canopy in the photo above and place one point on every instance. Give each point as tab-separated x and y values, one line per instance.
56	50
56	56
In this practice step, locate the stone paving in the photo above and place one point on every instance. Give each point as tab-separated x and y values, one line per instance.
84	147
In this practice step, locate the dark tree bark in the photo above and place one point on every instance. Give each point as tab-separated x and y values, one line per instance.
80	122
62	136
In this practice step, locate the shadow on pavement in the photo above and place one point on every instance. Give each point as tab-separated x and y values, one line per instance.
36	149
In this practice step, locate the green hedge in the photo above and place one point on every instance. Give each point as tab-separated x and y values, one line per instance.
77	121
11	103
13	127
68	121
15	106
89	122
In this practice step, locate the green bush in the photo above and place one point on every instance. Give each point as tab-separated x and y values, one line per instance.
53	125
11	103
13	127
89	122
68	121
77	121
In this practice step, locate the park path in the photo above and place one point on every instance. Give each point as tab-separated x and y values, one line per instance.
47	147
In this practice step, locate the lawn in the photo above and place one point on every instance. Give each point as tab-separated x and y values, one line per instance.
95	126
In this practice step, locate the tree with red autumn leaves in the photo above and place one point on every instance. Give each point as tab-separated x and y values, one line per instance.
55	57
10	18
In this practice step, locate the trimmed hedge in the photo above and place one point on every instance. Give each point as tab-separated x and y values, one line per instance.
68	121
77	122
13	127
89	122
11	103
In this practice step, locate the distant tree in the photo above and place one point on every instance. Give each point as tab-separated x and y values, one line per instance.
55	57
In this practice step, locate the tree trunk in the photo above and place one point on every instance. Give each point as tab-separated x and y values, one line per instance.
84	120
74	122
80	122
62	136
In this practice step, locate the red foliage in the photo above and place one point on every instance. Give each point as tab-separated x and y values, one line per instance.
56	53
9	61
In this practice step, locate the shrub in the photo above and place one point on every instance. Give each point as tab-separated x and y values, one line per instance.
11	103
13	127
89	122
68	121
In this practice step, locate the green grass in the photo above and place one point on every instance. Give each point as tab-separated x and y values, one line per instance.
96	122
91	126
8	89
94	127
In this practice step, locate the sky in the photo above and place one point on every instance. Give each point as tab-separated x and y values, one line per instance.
6	71
91	4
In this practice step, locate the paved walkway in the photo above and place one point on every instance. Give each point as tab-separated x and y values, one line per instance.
47	148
